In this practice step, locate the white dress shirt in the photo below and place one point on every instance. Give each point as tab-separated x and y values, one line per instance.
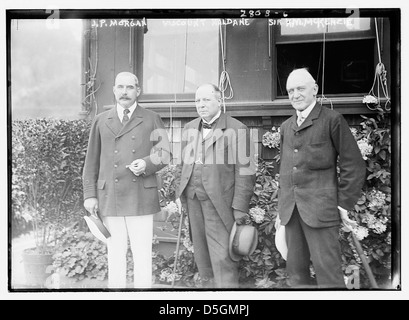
206	131
304	114
120	110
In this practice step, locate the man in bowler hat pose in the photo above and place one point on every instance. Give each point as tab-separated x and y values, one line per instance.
217	180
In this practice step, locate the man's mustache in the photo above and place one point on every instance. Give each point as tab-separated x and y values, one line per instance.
124	98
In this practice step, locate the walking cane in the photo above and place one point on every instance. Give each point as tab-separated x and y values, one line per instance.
178	240
361	253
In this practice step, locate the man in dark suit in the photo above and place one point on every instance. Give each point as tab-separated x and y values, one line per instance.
127	146
313	200
217	180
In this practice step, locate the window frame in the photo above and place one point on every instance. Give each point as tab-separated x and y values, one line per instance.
162	97
276	39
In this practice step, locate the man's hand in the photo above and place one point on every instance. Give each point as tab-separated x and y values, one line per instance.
91	205
345	219
240	217
137	166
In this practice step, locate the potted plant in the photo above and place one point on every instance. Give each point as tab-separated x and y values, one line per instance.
47	159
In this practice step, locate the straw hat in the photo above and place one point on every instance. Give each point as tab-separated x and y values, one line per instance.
97	228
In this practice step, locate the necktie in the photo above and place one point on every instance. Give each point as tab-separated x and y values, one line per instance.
300	120
125	117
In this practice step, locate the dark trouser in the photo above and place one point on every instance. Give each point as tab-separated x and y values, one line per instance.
211	244
319	245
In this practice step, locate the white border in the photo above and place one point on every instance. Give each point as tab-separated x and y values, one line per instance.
210	295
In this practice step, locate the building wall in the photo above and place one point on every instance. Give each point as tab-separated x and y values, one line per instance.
249	62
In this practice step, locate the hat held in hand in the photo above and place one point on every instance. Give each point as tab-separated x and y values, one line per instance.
243	241
97	228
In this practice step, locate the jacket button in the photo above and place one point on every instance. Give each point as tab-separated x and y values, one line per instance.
295	150
133	137
116	151
297	133
133	151
134	180
115	166
116	180
294	168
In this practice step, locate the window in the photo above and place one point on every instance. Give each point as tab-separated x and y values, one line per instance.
343	48
178	56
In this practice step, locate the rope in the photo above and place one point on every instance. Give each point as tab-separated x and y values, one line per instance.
323	97
90	85
224	82
380	79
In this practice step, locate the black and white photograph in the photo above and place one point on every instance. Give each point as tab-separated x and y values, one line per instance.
214	152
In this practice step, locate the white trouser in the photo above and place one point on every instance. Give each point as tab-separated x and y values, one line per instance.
140	232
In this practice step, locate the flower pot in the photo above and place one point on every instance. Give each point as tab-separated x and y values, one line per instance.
35	267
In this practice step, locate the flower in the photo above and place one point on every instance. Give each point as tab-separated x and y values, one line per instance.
370	99
360	232
171	208
377	199
365	148
376	225
257	214
271	139
168	276
188	244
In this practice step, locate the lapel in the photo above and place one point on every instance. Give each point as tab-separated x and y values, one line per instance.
217	133
194	127
315	112
113	122
116	126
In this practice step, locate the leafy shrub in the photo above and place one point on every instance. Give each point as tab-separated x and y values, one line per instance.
47	160
80	255
373	209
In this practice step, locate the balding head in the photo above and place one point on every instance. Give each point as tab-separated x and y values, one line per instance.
128	75
213	89
302	89
303	74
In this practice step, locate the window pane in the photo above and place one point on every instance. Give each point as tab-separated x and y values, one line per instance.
349	65
319	25
180	54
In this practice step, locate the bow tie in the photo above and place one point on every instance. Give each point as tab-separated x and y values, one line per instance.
206	125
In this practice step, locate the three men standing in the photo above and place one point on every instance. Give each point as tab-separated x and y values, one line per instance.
128	144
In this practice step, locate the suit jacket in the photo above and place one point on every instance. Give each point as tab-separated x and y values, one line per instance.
228	176
308	168
111	147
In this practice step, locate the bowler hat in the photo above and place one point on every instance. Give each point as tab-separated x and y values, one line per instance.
97	228
243	241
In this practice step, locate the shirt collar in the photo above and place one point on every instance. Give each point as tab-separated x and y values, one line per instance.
214	118
306	111
120	110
